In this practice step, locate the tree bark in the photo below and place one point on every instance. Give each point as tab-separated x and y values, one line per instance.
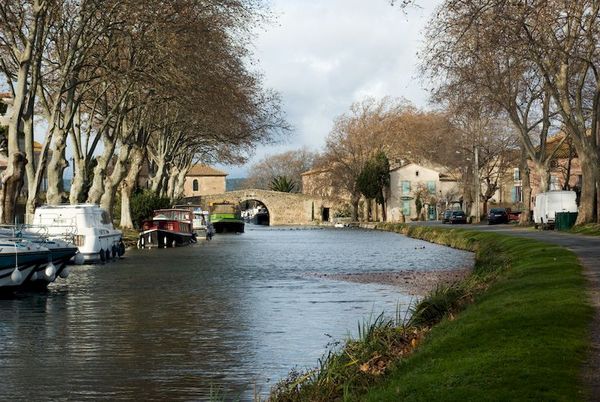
128	185
100	171
587	203
355	201
157	180
11	186
178	191
112	181
171	183
77	185
525	216
56	167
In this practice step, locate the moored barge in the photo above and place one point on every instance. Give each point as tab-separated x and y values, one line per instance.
168	228
226	218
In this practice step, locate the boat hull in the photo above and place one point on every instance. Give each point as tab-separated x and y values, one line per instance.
229	226
164	238
59	257
26	262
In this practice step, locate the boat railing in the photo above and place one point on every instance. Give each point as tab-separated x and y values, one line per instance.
62	232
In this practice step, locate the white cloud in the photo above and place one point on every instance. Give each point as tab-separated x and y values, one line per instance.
324	55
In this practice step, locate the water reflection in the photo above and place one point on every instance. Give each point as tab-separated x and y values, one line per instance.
237	312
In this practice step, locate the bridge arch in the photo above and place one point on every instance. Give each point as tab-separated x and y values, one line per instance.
284	208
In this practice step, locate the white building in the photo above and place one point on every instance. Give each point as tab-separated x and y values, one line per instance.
410	182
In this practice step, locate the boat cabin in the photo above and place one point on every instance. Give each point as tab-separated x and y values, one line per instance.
173	220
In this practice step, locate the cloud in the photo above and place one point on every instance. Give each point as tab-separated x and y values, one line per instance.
324	55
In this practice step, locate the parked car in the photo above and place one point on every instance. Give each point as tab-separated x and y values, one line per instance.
446	216
497	215
458	217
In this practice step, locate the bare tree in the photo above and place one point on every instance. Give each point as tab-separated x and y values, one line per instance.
22	25
290	164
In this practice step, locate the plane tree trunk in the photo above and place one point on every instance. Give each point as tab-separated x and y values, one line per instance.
128	185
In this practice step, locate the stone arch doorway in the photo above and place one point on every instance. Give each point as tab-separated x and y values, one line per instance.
255	211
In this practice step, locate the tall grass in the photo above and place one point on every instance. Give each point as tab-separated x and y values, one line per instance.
356	366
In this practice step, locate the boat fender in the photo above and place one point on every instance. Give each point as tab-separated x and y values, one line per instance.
102	255
78	259
114	251
121	248
64	273
173	243
16	276
50	271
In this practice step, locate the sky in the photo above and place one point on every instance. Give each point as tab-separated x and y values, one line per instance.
321	56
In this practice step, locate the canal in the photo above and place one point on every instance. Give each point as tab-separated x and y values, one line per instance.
234	314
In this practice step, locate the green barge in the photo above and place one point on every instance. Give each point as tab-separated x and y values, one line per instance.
226	218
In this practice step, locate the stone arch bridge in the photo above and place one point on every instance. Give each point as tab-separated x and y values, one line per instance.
284	208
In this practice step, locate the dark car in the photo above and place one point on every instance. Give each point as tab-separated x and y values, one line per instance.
458	217
497	215
446	216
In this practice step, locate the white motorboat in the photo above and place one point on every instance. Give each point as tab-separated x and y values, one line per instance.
87	226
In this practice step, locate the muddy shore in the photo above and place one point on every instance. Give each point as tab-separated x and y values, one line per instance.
414	282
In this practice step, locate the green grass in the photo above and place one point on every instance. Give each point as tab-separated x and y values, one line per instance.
516	329
590	229
524	338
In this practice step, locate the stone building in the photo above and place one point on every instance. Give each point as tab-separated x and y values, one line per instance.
204	180
412	182
564	174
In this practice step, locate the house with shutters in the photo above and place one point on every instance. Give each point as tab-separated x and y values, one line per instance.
203	180
564	174
428	185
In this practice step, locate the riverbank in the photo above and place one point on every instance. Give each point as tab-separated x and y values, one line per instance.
412	282
516	328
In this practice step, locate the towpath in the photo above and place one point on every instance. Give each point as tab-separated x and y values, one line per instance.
587	249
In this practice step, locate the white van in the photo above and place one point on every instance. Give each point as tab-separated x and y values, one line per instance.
549	203
86	225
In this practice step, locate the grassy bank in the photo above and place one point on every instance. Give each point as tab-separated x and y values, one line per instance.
516	329
590	229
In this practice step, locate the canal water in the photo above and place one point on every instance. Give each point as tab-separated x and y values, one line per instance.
231	316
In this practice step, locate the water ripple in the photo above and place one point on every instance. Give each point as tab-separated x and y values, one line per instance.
236	313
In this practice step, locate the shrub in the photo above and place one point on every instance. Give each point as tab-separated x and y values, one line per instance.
143	203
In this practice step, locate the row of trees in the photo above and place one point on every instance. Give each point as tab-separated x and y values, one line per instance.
534	62
127	84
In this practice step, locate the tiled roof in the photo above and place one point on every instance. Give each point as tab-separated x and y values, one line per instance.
205	170
563	151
